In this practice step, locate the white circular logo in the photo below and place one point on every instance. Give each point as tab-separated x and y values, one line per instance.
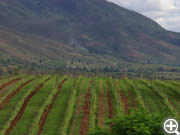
171	126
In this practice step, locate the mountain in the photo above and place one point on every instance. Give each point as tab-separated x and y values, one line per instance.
81	34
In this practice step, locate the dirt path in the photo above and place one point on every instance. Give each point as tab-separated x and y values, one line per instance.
86	112
23	107
78	110
132	99
109	101
47	110
9	83
124	99
6	100
101	105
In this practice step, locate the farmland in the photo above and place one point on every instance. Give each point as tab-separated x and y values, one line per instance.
76	105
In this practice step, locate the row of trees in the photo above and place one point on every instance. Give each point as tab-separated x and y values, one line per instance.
140	74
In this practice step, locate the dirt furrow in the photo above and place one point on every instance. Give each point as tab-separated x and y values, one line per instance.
109	101
47	110
86	112
23	107
132	99
6	100
78	110
172	104
101	105
124	99
4	92
9	83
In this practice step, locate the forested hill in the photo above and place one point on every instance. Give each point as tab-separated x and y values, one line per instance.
81	34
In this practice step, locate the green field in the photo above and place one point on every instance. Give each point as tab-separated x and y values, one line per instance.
68	105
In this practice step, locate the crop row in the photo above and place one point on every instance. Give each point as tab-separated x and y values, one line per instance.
67	105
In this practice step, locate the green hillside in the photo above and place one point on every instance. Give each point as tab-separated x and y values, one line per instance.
81	34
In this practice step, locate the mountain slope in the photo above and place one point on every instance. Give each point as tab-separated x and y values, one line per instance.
82	33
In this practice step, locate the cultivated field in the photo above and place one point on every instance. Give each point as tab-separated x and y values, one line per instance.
66	105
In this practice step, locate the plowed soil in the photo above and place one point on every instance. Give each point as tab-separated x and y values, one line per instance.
47	110
124	99
101	105
23	107
132	99
172	104
9	83
109	100
86	111
78	110
6	100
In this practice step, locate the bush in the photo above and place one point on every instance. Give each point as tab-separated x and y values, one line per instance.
136	123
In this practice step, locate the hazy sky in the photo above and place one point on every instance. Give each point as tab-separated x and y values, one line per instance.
165	12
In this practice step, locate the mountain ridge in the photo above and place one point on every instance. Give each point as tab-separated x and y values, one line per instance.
82	34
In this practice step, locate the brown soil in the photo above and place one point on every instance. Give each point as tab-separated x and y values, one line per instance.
3	92
172	104
132	99
6	100
78	110
110	106
23	107
9	83
101	106
124	99
48	108
86	111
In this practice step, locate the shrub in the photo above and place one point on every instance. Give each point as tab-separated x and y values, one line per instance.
136	123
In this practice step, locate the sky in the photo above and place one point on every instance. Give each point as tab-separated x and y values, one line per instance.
164	12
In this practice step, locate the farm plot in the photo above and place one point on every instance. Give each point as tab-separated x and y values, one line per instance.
22	108
152	100
13	91
124	97
68	105
31	110
117	103
9	88
56	116
170	93
6	82
101	106
131	94
109	100
11	108
78	110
